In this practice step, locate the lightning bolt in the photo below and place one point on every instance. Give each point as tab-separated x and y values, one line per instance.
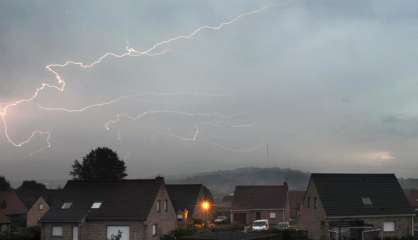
61	84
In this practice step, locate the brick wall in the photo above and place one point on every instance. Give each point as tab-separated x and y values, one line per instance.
67	229
313	218
35	213
98	230
166	220
403	225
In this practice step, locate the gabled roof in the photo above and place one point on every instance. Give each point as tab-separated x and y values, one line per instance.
123	200
260	197
185	196
348	194
10	204
296	198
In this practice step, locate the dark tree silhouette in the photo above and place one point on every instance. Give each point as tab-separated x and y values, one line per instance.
4	184
30	191
100	164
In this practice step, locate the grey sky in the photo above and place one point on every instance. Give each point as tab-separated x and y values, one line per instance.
328	85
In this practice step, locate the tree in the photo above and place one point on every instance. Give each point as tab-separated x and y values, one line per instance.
100	164
4	184
30	191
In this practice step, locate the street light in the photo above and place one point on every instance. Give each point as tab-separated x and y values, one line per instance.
205	206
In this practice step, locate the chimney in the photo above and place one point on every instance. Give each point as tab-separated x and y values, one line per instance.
285	185
160	179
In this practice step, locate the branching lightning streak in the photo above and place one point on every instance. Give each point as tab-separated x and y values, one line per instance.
140	116
61	84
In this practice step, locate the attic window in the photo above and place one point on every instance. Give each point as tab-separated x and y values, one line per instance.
366	201
66	205
96	205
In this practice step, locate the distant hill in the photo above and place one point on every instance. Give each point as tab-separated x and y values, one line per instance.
222	183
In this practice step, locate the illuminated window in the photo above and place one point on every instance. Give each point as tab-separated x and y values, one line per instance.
66	205
96	205
272	215
41	206
165	205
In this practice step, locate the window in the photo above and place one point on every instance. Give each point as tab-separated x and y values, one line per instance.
158	205
314	202
388	226
66	205
309	202
96	205
154	229
165	205
117	232
75	233
41	206
366	201
3	228
57	231
3	205
272	215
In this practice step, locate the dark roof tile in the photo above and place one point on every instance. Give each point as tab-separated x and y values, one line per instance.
341	194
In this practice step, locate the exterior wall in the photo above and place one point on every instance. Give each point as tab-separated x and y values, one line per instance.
98	230
282	215
35	213
313	219
166	220
46	231
403	225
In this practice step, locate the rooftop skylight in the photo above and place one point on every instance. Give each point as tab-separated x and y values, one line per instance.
66	205
366	201
96	205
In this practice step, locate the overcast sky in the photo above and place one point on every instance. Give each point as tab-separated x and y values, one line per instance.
327	85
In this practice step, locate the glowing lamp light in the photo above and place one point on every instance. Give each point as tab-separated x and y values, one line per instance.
205	205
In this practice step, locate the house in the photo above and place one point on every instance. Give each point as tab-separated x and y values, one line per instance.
40	207
122	210
187	200
224	207
412	196
356	206
13	208
295	203
260	202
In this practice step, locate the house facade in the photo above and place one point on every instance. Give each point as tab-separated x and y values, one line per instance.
187	200
260	202
295	203
12	208
356	206
121	210
40	207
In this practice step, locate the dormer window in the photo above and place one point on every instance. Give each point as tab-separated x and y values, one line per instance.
66	205
96	205
366	201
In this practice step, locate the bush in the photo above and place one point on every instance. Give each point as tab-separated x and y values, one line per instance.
179	233
31	233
